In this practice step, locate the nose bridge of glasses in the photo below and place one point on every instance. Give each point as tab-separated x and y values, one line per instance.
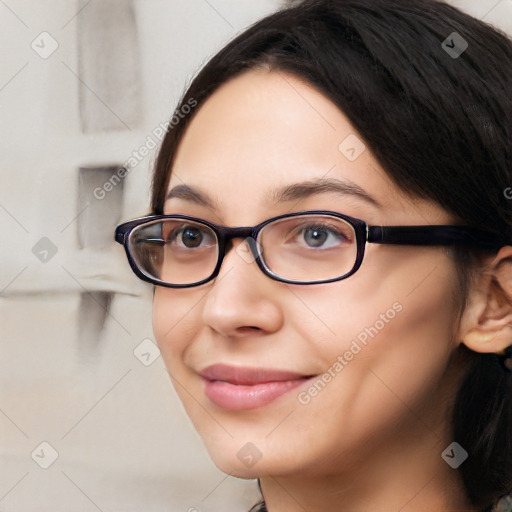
241	232
227	235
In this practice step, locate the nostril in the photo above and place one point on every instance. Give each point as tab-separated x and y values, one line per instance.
248	329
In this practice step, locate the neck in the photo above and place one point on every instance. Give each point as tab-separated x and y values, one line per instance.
392	483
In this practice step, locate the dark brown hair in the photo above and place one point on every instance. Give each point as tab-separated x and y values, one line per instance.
438	124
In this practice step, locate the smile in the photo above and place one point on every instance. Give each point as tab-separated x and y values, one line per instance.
239	388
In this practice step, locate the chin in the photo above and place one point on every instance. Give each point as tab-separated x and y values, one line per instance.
233	466
243	459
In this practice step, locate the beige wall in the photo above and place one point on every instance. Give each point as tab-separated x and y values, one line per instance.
68	373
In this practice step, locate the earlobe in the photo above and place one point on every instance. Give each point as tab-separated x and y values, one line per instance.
487	322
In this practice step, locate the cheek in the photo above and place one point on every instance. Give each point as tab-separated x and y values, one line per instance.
175	323
389	309
392	337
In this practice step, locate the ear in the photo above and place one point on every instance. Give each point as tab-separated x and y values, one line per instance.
486	324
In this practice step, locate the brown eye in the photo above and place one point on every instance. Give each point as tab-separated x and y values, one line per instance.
191	237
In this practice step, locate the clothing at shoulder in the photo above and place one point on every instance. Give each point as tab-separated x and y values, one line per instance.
259	507
503	505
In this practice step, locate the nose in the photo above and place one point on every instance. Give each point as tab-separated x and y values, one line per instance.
242	300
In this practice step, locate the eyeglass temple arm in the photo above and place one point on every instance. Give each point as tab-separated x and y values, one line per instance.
119	236
433	235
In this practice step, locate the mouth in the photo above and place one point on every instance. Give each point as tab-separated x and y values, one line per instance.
239	388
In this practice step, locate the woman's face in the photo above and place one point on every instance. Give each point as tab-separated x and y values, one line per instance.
367	356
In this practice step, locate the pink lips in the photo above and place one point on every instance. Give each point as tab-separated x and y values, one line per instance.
239	388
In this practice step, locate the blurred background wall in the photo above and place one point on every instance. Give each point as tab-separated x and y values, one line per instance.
88	418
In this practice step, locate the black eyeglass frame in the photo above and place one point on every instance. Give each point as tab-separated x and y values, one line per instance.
433	235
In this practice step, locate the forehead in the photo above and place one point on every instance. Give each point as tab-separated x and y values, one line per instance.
266	130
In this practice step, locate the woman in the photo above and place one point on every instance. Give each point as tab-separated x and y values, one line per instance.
351	351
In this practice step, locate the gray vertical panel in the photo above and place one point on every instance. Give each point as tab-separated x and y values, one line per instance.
93	311
100	202
109	69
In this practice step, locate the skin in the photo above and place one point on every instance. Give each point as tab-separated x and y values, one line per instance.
372	439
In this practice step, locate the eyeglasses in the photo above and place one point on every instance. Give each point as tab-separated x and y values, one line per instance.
308	247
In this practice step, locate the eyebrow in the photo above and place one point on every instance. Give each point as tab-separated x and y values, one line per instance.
322	185
292	192
190	194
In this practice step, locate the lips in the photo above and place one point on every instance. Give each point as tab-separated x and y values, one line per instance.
239	388
247	376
